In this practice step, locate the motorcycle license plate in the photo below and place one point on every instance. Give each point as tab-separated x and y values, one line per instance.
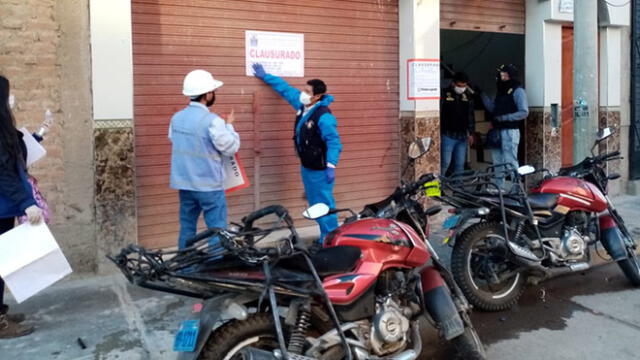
187	336
451	222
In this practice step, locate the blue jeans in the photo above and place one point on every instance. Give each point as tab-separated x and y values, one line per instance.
452	149
508	151
214	206
318	190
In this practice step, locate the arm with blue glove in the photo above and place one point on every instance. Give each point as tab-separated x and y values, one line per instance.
329	132
288	92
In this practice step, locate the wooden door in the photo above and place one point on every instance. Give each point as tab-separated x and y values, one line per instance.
567	96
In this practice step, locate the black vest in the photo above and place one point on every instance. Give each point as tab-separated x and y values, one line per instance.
311	149
455	110
506	104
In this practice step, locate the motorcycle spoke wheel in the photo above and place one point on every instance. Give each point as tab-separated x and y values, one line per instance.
481	268
490	277
631	266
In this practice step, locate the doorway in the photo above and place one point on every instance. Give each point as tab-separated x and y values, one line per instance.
479	54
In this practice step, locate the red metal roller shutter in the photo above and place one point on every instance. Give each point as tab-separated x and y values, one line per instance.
351	45
506	16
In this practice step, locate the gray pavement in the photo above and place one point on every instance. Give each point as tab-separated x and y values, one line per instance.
593	315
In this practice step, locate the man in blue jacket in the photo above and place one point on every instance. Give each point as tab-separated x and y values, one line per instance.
199	140
316	140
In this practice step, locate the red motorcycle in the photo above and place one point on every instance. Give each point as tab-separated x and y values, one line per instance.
397	275
360	297
518	237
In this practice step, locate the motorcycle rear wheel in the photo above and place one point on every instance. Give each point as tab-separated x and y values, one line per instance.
258	331
631	267
226	342
470	264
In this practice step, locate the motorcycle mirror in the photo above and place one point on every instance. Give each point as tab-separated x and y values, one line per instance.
419	147
603	134
316	211
526	170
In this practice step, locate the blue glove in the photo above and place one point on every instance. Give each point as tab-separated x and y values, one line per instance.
330	173
258	71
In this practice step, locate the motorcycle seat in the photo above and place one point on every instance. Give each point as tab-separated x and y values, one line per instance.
328	261
536	201
543	201
336	260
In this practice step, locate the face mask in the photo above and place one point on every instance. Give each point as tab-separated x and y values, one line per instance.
459	90
305	98
12	102
212	101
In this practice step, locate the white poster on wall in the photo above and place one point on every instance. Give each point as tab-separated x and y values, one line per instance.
566	6
423	79
281	54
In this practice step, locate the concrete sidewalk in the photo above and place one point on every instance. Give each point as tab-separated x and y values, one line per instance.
580	317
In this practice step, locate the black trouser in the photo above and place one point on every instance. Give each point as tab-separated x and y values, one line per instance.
6	224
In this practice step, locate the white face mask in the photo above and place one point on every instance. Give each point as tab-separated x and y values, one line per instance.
12	102
305	98
459	90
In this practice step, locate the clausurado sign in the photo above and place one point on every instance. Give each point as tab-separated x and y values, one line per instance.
281	54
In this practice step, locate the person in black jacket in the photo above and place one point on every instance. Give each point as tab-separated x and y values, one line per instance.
16	198
457	123
509	110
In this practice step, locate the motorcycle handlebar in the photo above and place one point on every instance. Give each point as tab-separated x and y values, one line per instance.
425	178
608	156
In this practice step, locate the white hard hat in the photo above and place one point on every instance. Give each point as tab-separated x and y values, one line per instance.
199	82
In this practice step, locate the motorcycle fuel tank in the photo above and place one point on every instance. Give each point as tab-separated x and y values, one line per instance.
574	193
384	244
386	241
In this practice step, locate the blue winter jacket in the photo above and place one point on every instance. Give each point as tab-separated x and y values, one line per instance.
16	194
327	123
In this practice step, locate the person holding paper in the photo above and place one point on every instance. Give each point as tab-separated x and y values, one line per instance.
16	198
199	139
316	140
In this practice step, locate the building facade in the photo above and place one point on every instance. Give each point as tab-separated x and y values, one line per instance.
112	73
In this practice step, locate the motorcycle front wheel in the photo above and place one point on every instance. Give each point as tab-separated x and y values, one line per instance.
468	346
631	266
482	270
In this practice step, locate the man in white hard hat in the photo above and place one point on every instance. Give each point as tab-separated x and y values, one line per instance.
199	140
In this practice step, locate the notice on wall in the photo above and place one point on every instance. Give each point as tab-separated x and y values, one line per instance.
281	54
423	79
566	6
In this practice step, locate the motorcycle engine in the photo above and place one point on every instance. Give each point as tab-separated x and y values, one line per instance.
390	328
573	243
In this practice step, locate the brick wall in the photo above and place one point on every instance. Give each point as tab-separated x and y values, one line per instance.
43	53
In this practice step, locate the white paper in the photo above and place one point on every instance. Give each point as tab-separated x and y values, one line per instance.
234	175
35	151
423	79
566	6
30	260
281	54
